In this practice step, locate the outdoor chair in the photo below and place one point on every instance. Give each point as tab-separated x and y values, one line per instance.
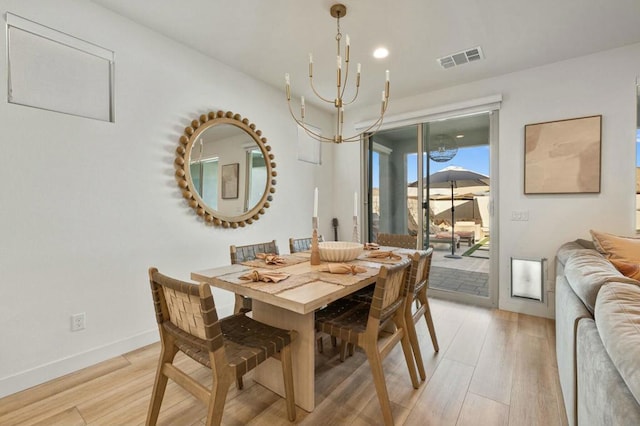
364	325
418	283
398	240
230	347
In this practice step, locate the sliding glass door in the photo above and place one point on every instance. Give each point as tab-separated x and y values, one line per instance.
393	208
431	183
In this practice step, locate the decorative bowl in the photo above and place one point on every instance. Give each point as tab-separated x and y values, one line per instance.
339	251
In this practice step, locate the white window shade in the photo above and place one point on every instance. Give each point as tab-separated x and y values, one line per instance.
443	112
55	71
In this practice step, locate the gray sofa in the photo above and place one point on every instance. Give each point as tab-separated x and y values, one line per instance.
597	338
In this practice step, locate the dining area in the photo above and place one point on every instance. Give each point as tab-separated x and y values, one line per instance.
330	332
198	155
322	298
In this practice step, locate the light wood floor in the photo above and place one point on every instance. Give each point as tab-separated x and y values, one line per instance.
494	368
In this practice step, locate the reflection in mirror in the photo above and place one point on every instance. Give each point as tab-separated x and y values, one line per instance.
204	174
215	148
229	178
256	177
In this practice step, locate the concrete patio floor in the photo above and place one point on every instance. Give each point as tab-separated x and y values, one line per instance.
468	275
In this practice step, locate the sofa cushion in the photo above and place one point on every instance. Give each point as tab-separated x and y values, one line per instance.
627	268
615	247
569	311
586	271
618	320
569	249
603	397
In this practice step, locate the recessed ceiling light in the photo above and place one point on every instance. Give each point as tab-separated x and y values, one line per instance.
380	52
459	136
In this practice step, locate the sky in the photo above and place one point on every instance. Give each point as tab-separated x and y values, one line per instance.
474	158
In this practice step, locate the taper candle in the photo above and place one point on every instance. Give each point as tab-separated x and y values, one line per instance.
355	203
315	202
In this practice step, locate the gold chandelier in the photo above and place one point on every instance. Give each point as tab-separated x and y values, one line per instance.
338	11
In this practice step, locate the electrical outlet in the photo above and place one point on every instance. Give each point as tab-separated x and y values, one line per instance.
520	215
78	321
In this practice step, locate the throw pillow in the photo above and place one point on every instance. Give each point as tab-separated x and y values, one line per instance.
627	268
615	247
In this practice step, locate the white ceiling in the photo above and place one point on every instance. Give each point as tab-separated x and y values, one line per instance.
266	38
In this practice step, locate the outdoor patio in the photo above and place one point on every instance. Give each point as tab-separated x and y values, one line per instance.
469	274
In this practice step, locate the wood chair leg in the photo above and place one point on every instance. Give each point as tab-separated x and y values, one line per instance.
287	374
239	383
319	344
427	316
160	384
219	390
375	362
408	356
343	350
334	341
415	345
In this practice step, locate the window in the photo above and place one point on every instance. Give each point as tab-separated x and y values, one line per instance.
51	70
204	174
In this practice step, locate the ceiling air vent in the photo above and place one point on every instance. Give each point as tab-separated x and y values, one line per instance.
460	58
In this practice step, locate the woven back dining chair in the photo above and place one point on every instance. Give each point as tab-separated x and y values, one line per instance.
230	347
364	326
297	245
417	285
241	254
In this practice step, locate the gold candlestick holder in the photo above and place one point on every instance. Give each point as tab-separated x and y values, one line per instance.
315	250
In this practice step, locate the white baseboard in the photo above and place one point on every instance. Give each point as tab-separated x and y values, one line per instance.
43	373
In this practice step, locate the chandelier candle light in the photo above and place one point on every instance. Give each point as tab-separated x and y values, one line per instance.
338	11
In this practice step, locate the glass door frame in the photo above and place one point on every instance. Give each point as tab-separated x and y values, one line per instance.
492	300
493	109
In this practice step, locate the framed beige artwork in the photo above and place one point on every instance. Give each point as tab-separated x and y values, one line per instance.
563	157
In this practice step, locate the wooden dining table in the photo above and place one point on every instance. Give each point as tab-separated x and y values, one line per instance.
291	303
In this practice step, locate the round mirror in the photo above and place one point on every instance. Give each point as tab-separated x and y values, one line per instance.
225	169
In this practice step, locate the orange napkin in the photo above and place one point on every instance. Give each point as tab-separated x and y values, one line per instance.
371	246
271	259
384	255
342	268
265	276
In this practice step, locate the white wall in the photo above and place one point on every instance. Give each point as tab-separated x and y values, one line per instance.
88	206
602	83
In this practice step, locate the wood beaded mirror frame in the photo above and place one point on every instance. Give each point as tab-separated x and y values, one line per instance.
193	137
